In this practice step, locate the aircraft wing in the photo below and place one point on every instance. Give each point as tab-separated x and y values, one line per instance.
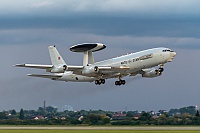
114	69
74	68
45	76
35	66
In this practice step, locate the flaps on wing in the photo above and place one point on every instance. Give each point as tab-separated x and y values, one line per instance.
34	66
45	76
119	68
107	69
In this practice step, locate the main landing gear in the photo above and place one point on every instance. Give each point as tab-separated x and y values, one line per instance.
117	83
120	82
100	81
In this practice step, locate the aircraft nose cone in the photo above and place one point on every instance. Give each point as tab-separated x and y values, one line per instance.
173	54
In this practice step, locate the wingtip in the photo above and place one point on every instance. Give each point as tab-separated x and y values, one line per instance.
18	65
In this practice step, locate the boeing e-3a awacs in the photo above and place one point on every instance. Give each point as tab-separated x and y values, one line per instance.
143	62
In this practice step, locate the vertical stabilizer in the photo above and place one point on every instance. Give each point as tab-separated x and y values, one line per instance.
56	59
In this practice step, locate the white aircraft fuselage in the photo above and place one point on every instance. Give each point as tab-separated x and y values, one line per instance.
131	64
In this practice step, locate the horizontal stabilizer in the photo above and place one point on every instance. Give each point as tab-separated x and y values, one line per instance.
45	76
34	66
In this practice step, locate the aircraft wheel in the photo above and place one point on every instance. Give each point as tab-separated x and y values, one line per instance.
97	82
118	83
100	81
157	72
161	70
103	81
123	82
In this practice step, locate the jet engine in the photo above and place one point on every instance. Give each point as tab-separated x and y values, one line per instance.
153	73
58	69
90	70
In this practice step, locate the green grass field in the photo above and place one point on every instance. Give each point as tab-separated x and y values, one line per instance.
92	131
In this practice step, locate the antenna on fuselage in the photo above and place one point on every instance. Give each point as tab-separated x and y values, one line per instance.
88	58
87	49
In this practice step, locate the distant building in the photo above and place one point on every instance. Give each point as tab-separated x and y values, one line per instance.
39	117
119	116
159	113
136	116
163	111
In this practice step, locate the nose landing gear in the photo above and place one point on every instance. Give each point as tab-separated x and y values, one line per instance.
159	71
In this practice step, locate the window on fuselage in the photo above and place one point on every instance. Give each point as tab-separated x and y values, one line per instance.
124	62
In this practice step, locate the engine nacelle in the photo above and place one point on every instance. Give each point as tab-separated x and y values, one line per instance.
58	69
153	73
90	70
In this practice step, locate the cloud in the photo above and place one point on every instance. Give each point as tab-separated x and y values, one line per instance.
70	37
111	7
42	4
110	26
131	6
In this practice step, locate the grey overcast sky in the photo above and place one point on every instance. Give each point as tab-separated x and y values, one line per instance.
28	27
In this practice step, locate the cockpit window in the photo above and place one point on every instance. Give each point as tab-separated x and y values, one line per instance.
165	50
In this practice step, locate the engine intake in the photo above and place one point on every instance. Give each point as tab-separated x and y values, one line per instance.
65	67
96	69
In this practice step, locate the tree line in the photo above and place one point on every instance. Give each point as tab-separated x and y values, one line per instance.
51	116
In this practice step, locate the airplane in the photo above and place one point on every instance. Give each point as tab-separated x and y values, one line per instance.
143	62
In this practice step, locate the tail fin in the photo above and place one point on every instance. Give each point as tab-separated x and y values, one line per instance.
56	59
